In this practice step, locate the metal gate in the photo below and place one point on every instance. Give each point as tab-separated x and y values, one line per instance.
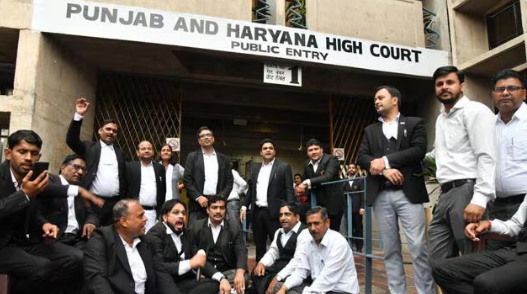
146	109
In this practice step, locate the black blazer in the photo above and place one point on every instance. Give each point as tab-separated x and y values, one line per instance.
18	215
230	241
167	251
328	196
280	187
107	270
357	199
55	210
133	178
411	149
92	153
194	177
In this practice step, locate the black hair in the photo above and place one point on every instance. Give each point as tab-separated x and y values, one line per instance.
267	140
394	92
507	74
24	135
312	142
72	157
168	205
445	70
203	128
109	121
295	209
216	198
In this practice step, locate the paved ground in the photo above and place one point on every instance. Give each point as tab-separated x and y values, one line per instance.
379	285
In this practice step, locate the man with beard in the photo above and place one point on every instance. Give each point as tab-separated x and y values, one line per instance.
392	150
105	164
207	173
277	264
147	182
223	243
118	259
172	242
465	155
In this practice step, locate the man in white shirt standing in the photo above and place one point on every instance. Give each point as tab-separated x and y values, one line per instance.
239	187
511	137
207	173
326	257
465	155
105	163
146	182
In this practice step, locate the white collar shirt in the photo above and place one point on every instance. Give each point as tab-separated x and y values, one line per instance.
136	265
148	187
262	183
168	175
330	264
73	224
216	230
184	263
239	186
210	162
106	181
465	147
511	138
391	128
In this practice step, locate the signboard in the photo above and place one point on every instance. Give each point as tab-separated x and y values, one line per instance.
339	153
174	144
282	74
109	21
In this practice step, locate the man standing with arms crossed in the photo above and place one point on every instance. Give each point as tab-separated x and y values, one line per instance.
465	155
392	150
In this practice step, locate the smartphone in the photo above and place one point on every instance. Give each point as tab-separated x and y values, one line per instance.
38	168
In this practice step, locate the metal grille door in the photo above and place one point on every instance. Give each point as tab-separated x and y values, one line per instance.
145	108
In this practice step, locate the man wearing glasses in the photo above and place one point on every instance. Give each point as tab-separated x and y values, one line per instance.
511	137
75	220
207	173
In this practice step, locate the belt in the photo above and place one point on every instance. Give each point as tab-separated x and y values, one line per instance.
233	200
146	207
454	184
389	186
511	199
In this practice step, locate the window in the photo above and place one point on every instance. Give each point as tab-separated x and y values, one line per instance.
504	24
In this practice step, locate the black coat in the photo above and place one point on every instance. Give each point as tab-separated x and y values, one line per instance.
410	151
328	196
357	199
92	153
133	178
107	269
55	210
279	190
230	242
194	177
18	215
167	251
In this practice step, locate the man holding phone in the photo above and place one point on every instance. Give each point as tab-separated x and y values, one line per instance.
33	267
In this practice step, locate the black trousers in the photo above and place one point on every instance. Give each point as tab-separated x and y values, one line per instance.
105	213
54	268
334	221
204	286
357	230
263	226
499	271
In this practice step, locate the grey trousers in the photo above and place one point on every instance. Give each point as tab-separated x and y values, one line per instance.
446	232
390	207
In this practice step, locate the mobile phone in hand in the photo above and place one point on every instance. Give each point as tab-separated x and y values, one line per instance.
38	168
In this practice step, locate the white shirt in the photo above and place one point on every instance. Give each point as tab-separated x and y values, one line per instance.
390	130
210	162
314	166
215	230
73	225
330	265
239	186
465	148
262	183
184	265
136	265
513	226
148	187
106	181
273	254
511	138
170	177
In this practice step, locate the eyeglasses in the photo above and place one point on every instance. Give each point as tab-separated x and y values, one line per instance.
509	89
207	135
77	167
